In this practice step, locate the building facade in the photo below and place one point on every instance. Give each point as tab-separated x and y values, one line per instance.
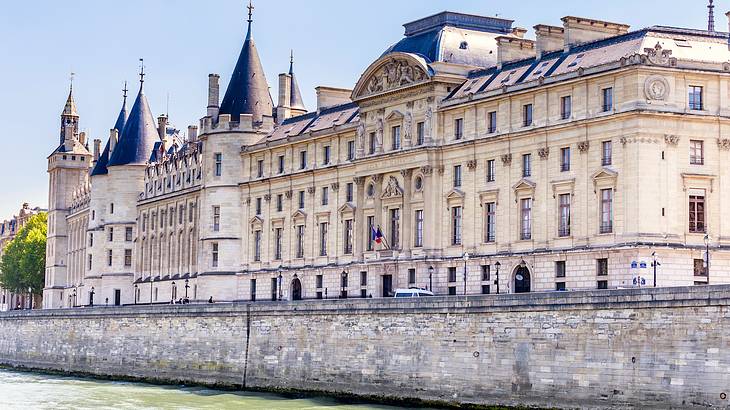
8	229
467	159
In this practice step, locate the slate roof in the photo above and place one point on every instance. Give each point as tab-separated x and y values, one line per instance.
101	165
295	101
138	139
69	109
315	121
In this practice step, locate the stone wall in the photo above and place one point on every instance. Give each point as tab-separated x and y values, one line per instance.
650	348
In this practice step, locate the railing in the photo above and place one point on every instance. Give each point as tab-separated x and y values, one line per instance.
606	227
564	231
606	161
564	167
526	234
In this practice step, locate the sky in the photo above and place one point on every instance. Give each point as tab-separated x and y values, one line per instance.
182	41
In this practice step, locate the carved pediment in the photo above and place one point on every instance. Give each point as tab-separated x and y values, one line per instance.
605	177
396	70
298	214
455	194
395	115
256	221
523	184
346	208
392	189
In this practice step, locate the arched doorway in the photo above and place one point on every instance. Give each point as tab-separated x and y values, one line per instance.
522	280
296	289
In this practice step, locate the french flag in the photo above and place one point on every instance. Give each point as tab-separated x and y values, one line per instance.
377	235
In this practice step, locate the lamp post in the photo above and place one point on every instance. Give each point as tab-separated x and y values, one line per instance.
707	257
466	259
280	280
186	288
430	278
654	265
173	291
91	297
343	282
496	282
74	295
152	280
135	293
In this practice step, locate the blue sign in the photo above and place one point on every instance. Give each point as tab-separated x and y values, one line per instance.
634	265
643	265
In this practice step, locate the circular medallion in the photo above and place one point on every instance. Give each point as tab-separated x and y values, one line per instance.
371	190
418	183
656	88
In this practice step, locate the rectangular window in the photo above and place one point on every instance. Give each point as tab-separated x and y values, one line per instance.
323	239
395	137
300	241
278	233
418	240
491	222
606	153
326	155
280	166
109	257
350	150
700	267
564	215
695	97
527	115
527	165
565	159
301	199
606	211
371	228
457	176
127	257
325	195
348	237
257	246
215	255
602	267
90	258
110	234
190	212
526	219
181	215
602	284
486	273
349	192
565	107
491	170
258	206
697	213
218	164
452	274
217	215
411	277
253	290
274	286
91	239
485	289
696	152
452	290
371	143
319	284
420	134
344	285
607	100
458	128
363	278
260	168
302	159
560	286
560	269
492	122
394	228
128	234
279	203
456	225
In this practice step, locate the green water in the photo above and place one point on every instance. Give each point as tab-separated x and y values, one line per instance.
26	391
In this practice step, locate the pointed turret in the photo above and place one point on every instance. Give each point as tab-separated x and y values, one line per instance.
139	136
296	102
69	116
101	165
248	91
69	110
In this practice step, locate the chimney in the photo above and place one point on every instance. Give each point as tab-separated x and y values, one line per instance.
82	138
519	32
97	149
548	39
192	133
330	96
113	138
213	91
513	48
162	126
68	136
283	110
579	30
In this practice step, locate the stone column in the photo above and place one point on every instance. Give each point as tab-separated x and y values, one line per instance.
360	235
406	217
378	181
430	213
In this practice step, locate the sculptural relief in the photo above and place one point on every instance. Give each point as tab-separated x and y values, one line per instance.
394	74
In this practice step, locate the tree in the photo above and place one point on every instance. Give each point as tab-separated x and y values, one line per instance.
24	259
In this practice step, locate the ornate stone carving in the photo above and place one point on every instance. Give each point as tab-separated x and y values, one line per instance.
656	88
335	186
394	74
248	201
583	146
406	173
288	194
377	177
543	153
361	134
723	143
659	56
359	181
408	125
267	197
392	189
311	190
623	140
471	164
441	170
427	170
427	124
671	140
507	159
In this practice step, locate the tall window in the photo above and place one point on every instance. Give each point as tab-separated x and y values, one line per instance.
127	257
109	257
607	100
257	246
566	104
565	159
695	97
128	234
411	276
452	274
110	234
260	168
325	195
456	225
458	128
492	122
350	150
258	206
278	233
280	164
323	239
394	228
395	137
301	199
420	133
418	240
302	159
697	213
300	241
560	269
348	237
349	192
491	170
700	267
371	228
214	247
279	203
217	218
457	176
564	204
606	153
491	222
526	219
606	211
371	143
218	164
696	152
326	155
253	290
527	115
527	165
602	267
274	286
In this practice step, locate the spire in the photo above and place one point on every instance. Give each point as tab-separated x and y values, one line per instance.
69	109
248	91
101	165
296	102
711	17
137	139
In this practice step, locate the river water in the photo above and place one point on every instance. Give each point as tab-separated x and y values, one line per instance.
31	391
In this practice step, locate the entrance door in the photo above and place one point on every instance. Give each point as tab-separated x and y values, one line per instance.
522	280
117	297
296	289
387	286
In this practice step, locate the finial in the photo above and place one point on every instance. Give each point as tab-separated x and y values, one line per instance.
711	17
291	62
141	71
124	91
71	79
250	11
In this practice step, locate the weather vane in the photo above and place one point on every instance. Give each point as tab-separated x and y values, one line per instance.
250	10
141	71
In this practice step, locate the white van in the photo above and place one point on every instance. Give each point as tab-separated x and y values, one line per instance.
412	293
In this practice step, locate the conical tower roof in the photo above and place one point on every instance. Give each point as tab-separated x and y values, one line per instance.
69	110
101	165
248	91
138	138
296	102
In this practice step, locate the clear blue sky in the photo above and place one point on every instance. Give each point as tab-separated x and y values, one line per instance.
184	40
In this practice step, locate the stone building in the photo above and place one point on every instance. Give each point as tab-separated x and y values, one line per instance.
8	229
489	162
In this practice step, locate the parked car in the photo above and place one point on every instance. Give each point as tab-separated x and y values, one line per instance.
412	293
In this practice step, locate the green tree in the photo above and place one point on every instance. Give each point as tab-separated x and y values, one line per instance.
24	258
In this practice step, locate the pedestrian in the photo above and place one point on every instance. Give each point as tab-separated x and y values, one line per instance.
210	300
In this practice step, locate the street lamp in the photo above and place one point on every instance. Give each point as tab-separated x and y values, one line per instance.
74	295
496	282
135	293
707	257
152	280
91	297
280	280
186	289
654	265
343	294
430	278
173	291
466	259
